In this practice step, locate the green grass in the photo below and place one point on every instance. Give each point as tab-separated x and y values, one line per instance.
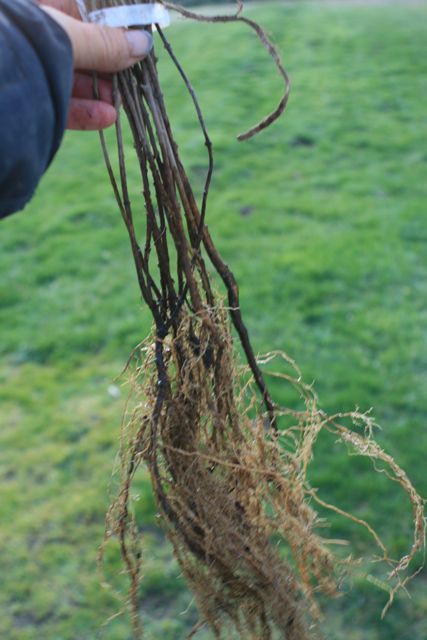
322	218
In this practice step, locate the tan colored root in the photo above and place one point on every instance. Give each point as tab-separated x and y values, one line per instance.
228	467
234	497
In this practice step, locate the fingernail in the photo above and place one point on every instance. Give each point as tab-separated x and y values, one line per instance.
140	42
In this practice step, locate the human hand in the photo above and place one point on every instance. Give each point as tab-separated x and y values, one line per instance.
95	48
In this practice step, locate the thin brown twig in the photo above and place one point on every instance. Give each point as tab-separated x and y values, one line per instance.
267	43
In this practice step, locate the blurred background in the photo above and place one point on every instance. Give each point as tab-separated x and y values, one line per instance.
323	220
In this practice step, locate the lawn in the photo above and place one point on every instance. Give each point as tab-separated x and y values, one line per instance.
323	220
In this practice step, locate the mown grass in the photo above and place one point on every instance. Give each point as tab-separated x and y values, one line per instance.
322	219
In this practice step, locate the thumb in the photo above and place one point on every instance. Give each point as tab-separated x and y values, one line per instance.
99	48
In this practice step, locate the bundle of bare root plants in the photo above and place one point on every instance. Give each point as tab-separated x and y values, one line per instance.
228	466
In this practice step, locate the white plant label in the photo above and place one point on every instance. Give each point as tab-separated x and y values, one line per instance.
132	15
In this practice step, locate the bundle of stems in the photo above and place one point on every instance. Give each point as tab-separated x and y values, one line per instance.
230	484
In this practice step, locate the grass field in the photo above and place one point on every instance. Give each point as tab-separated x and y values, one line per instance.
323	219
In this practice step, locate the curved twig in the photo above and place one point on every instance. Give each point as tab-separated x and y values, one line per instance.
269	46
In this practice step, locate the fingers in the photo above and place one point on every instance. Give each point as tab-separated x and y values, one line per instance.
99	48
95	48
83	88
86	113
90	115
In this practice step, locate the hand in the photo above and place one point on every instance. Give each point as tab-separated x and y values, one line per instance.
95	48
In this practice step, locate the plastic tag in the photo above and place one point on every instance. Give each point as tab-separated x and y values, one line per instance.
131	15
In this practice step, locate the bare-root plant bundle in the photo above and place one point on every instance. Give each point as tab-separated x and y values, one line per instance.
228	466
